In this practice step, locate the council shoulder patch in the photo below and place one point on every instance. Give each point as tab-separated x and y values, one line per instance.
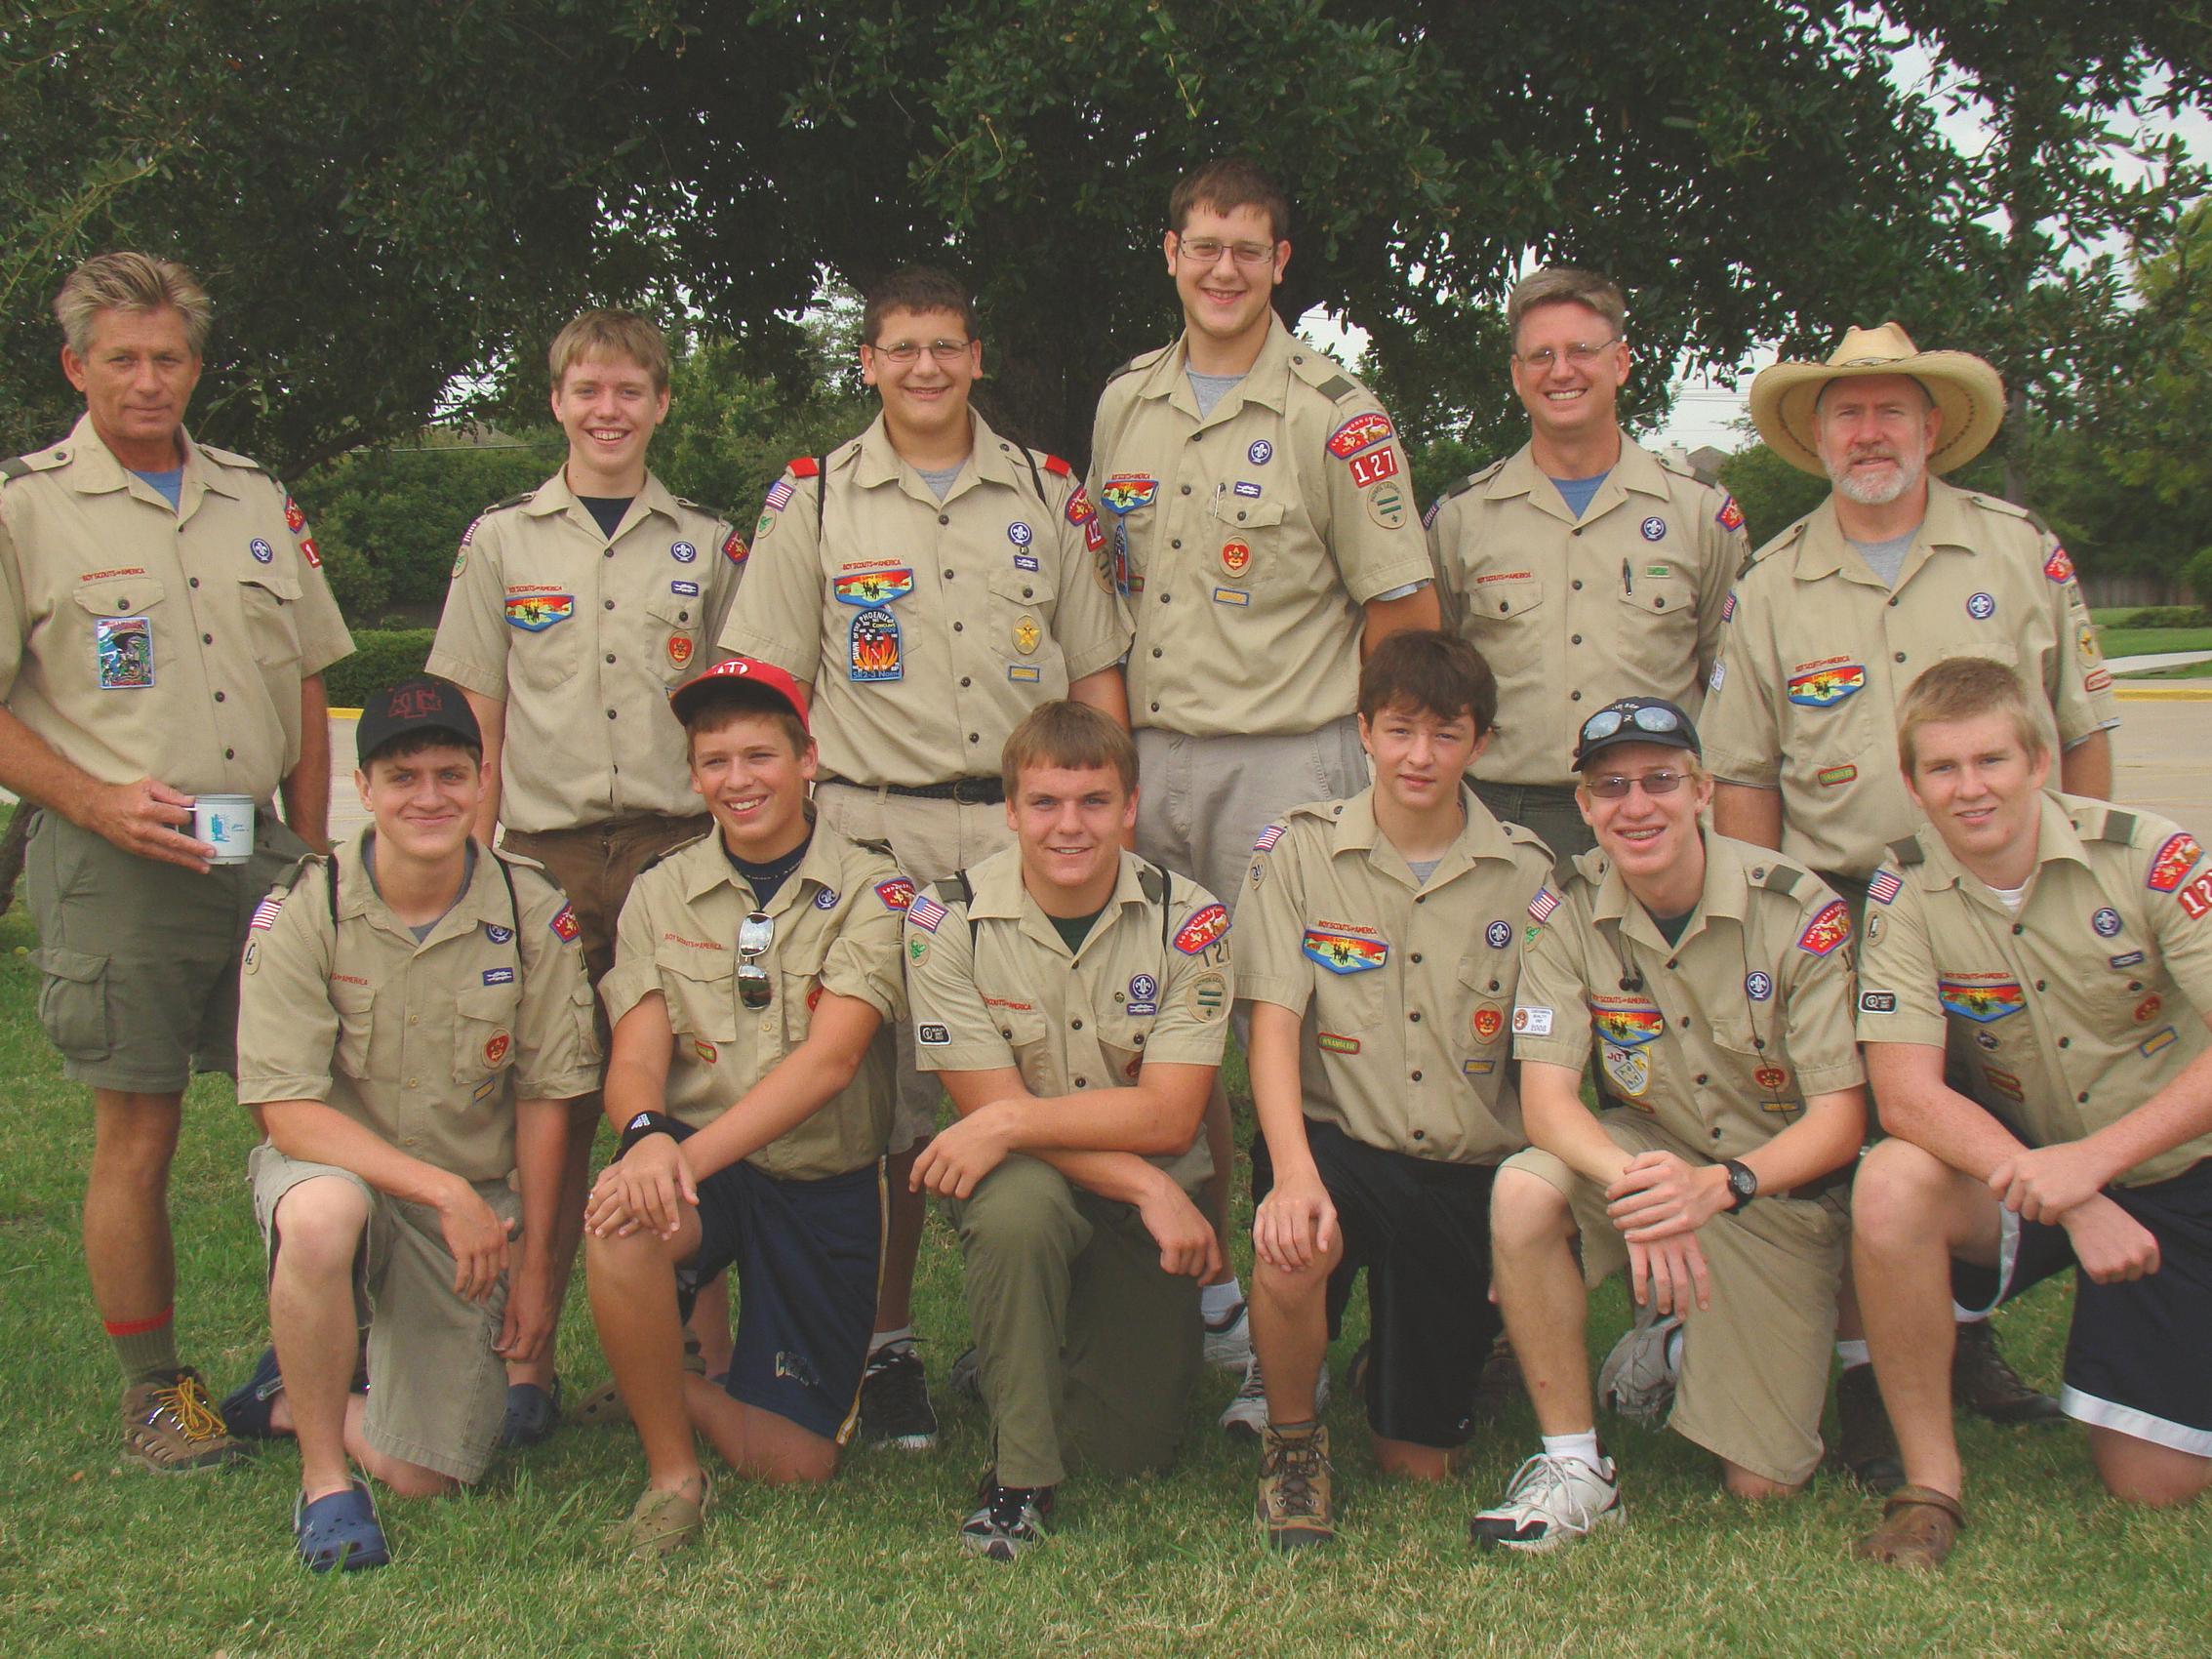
1202	929
896	894
2171	864
1360	433
1826	930
2058	567
564	924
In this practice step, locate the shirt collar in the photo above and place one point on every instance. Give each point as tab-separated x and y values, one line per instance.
96	470
557	496
1729	872
1480	837
1825	549
484	900
1266	382
706	865
2057	837
1001	894
991	459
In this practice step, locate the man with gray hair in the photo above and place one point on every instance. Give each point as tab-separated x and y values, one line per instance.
1584	567
164	625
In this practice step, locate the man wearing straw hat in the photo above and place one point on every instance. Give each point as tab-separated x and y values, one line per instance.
1895	571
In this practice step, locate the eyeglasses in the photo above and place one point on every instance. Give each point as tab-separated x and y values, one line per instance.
754	936
907	354
1606	721
1580	356
1207	251
1614	786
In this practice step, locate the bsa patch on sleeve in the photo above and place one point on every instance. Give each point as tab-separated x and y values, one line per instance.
1826	931
1362	432
2170	865
564	924
1202	929
2058	567
1730	516
896	894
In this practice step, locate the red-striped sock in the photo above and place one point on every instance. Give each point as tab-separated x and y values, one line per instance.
146	1347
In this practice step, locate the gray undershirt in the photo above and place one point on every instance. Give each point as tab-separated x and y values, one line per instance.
1886	559
468	873
1423	870
942	481
1209	389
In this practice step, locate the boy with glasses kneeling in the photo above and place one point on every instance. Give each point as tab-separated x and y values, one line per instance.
754	972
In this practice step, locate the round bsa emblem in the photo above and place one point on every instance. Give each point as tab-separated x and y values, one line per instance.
496	1050
2107	922
1654	529
262	552
1982	607
826	899
1500	933
1143	988
683	552
1757	986
1260	453
1019	533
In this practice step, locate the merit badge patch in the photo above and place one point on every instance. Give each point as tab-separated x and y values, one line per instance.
925	912
874	587
896	894
1386	507
780	495
1019	533
1759	985
1826	930
564	924
1335	1044
1498	934
1362	432
1654	529
499	976
2058	567
1202	929
826	899
262	552
683	552
1981	997
1236	556
1730	516
2175	858
1260	453
679	649
1344	952
1532	1022
1543	904
2107	922
874	645
1627	1069
1027	637
123	646
496	1047
1374	466
1822	685
1489	1023
1886	887
1628	1021
1982	606
535	613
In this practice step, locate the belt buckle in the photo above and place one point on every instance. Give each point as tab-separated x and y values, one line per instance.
962	787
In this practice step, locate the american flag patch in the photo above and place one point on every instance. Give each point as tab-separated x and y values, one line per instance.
1886	886
780	495
925	912
266	912
1728	607
1543	904
1267	838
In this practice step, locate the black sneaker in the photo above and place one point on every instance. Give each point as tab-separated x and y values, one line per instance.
1983	1380
895	1407
1007	1520
1868	1447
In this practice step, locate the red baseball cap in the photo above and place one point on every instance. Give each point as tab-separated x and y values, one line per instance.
741	670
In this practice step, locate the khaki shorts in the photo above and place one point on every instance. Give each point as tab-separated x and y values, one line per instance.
437	1392
930	839
1756	1363
140	959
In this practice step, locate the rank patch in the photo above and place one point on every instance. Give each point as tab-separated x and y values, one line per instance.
1826	685
679	649
2147	1010
1026	635
874	587
1771	1077
535	613
1653	529
1886	887
123	647
1344	952
1236	556
874	646
1489	1022
2175	858
496	1047
1362	432
1202	929
1826	931
1981	997
896	894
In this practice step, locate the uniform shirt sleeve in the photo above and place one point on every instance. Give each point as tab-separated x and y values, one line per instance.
323	635
863	959
1271	967
1741	733
722	589
287	1024
953	1032
2079	710
1443	533
1371	557
1899	999
1818	992
1094	631
2182	923
777	616
636	974
558	1046
1550	1021
1200	985
11	620
471	644
1724	551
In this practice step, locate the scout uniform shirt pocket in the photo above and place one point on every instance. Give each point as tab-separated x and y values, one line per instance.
1022	604
1125	1028
266	597
1652	594
355	1002
674	636
542	635
798	988
1755	1053
483	1029
1833	736
701	992
1025	1029
122	617
1245	550
1481	1036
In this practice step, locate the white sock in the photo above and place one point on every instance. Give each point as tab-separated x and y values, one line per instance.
1853	1354
1581	1448
1968	1316
1674	1351
1216	1302
882	1340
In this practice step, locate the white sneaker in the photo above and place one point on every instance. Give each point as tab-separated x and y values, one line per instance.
1552	1500
1636	1382
1246	1415
1228	1344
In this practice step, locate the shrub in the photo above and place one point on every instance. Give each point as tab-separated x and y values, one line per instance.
2166	616
381	657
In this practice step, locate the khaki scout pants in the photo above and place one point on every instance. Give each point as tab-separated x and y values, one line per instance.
1088	1350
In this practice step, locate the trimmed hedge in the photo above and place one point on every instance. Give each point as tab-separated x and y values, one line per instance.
382	656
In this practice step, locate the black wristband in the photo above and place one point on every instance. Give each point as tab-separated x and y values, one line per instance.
647	1123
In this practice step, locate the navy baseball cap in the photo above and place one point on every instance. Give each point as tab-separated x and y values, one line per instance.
1634	719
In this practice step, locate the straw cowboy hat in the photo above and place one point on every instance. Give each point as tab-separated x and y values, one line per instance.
1969	392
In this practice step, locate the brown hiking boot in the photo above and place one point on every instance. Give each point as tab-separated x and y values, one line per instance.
1920	1525
1983	1380
173	1428
1293	1506
1867	1446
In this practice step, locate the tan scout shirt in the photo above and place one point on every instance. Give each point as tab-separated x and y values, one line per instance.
1249	541
993	985
582	637
143	641
1409	985
427	1044
1720	1037
2073	1013
1818	651
928	629
837	930
1573	613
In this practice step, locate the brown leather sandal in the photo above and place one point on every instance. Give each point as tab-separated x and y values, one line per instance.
1920	1525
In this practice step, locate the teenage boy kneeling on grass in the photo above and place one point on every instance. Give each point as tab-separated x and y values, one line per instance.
413	1021
1073	997
754	971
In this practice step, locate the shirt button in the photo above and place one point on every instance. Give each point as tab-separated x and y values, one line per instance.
2018	929
1165	597
1672	963
1177	543
1577	584
1900	656
945	518
1414	1015
974	737
2082	1100
1685	1022
1075	1025
1503	607
2065	1042
219	697
1575	640
1417	1079
607	553
2040	986
1701	1079
610	604
1155	707
965	682
1187	489
949	576
1156	651
414	1019
610	655
195	580
206	639
1027	591
1007	1034
230	754
1417	955
1420	898
1893	599
1082	1082
1716	1134
610	713
1578	530
959	627
411	1082
1574	697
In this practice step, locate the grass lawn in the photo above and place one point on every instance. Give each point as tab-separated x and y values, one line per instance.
2140	641
97	1559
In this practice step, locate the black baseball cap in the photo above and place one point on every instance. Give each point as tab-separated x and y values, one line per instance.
1634	719
422	704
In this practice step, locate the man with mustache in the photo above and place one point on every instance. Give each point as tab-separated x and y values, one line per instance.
1835	617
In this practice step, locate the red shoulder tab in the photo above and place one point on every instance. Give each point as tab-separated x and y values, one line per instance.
1054	465
805	466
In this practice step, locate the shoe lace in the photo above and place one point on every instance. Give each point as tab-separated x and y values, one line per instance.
1296	1463
1547	1482
896	1379
185	1402
1254	1386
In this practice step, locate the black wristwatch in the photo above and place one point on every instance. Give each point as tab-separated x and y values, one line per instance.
1743	1183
